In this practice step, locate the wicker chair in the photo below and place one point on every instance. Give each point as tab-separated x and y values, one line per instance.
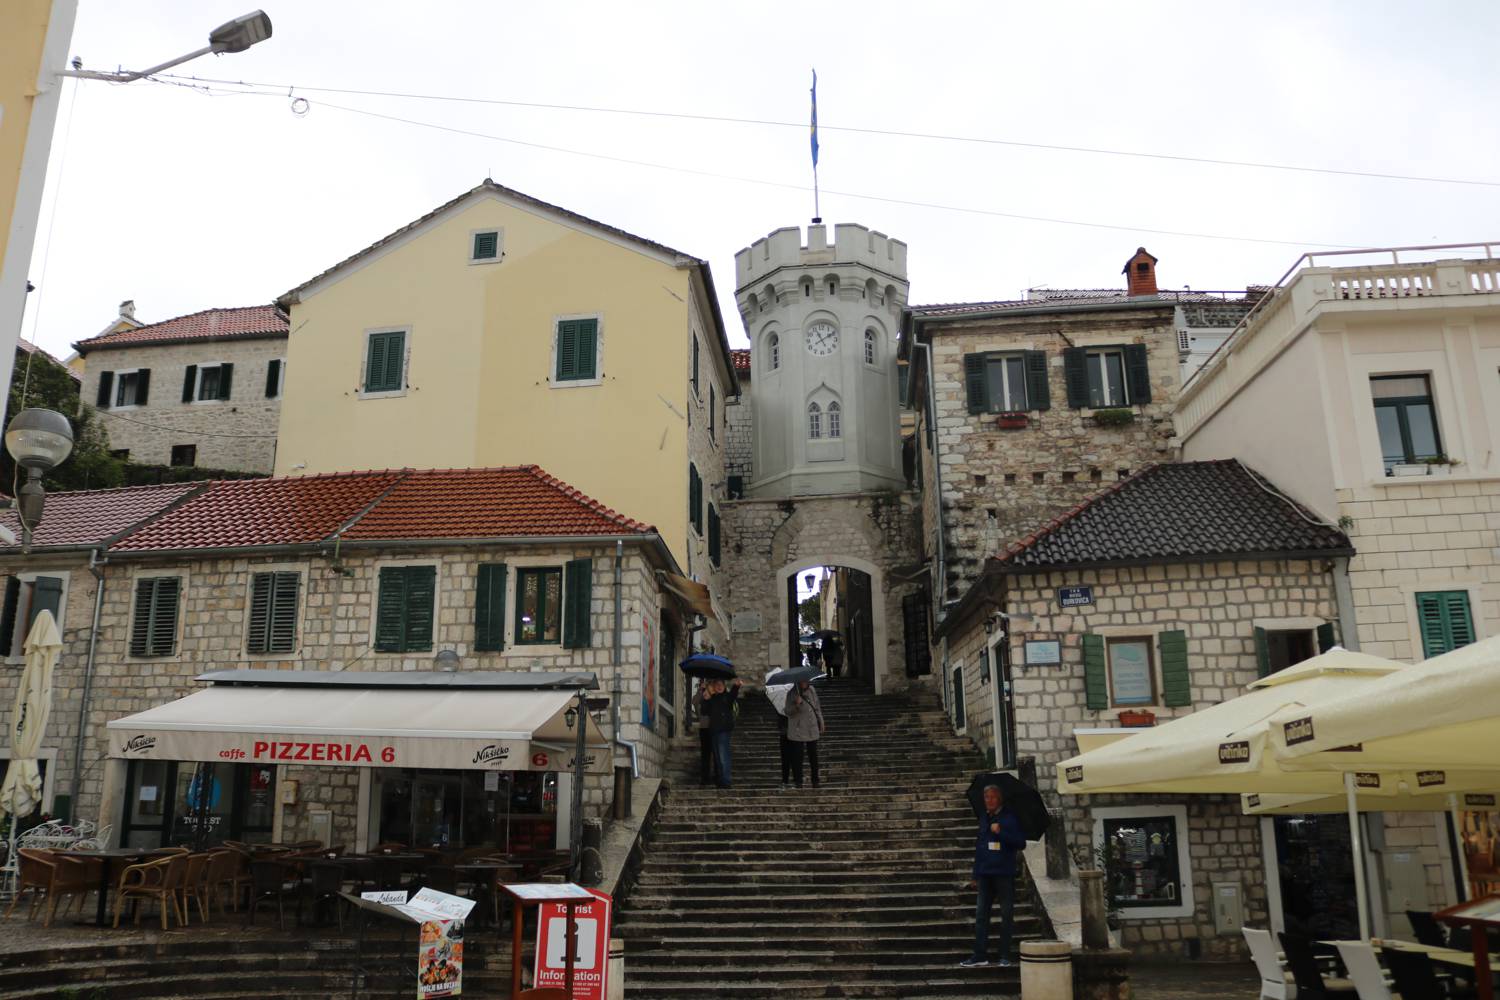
50	877
195	886
158	880
271	880
228	871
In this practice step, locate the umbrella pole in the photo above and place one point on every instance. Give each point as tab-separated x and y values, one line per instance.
1462	861
1356	842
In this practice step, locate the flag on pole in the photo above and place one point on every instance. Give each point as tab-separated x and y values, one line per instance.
815	119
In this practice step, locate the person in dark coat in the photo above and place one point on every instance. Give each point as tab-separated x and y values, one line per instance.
721	705
833	655
995	848
707	766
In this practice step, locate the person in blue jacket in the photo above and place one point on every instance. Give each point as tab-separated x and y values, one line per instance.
995	848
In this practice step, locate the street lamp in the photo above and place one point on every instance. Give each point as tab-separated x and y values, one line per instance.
231	36
39	440
447	659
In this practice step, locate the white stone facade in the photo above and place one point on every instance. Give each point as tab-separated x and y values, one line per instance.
238	434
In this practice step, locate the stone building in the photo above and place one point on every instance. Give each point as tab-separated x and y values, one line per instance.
1159	596
198	390
823	484
487	573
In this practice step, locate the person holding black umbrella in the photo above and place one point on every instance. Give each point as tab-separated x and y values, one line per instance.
707	765
1000	837
721	706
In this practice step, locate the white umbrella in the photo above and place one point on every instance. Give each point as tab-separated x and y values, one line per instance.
22	792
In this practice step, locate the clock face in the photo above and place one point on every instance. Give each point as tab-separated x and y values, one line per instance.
822	339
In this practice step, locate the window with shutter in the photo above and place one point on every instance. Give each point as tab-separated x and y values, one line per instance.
274	369
1138	374
132	388
106	394
1176	684
1038	392
1095	673
695	364
486	246
713	415
385	361
577	350
153	627
1262	653
1328	636
713	535
404	609
578	625
960	712
984	665
273	613
539	606
190	383
695	498
976	383
226	381
1076	376
489	608
8	616
914	627
1445	621
142	386
46	595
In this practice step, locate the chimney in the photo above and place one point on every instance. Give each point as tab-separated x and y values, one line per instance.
1140	274
127	309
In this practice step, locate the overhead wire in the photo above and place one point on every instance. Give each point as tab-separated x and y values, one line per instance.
857	130
205	87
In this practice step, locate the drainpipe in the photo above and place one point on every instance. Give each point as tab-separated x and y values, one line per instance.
1344	596
614	702
88	681
941	588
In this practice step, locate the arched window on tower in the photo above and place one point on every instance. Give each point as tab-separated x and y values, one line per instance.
870	341
814	421
807	288
773	352
833	287
835	420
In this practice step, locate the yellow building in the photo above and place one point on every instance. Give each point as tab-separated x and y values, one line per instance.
501	330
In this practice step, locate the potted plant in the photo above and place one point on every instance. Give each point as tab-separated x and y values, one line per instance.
1402	470
1120	417
1135	718
1013	421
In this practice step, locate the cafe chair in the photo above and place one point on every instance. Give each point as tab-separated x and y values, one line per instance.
224	876
195	886
1426	929
271	881
1311	983
156	880
1275	982
1414	975
1364	969
324	883
50	877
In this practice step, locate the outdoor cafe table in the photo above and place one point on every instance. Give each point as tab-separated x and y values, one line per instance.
107	868
1448	956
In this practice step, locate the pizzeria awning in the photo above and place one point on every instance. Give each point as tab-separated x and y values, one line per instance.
439	720
691	593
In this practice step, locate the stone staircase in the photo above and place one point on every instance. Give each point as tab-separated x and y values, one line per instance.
851	890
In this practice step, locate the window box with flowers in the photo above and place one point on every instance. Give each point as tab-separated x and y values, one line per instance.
1013	421
1114	418
1136	719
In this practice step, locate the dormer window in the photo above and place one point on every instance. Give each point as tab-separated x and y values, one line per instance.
485	248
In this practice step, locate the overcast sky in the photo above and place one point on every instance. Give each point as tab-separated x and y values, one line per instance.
183	201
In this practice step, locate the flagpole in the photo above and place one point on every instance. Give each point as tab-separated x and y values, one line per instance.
817	208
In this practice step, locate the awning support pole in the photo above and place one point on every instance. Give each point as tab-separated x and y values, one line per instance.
1461	861
1356	843
575	838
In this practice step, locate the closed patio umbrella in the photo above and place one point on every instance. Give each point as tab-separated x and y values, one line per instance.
21	793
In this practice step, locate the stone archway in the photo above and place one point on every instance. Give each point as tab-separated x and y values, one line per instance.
877	606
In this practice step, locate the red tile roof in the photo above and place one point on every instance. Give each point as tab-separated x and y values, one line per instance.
436	505
740	356
93	517
238	323
254	512
488	503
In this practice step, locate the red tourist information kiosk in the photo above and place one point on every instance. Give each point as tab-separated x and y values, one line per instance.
570	897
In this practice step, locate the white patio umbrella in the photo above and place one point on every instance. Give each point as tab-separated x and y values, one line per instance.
22	791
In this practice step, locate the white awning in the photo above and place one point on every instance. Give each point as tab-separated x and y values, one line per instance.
463	728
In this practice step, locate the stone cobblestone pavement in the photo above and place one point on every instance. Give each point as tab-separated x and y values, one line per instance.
1194	981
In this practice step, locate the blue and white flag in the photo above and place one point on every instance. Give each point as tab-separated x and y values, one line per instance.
815	119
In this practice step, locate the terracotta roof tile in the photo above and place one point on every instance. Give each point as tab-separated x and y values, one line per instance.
254	512
488	503
1186	512
92	517
242	322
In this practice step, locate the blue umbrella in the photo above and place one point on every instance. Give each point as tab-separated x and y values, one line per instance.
707	666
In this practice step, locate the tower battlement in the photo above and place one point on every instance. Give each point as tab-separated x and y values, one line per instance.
852	244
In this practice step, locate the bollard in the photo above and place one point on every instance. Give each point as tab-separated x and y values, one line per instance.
616	969
622	793
1091	909
591	863
1046	970
1057	846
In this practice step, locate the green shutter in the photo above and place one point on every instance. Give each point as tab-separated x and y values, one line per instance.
1445	621
1038	393
46	595
375	362
226	380
282	626
273	378
1262	653
385	362
578	595
153	630
984	665
1138	373
421	585
1327	636
8	615
106	393
695	364
567	351
258	628
189	383
713	535
588	349
390	610
695	498
1095	674
1176	687
140	623
486	245
976	384
489	608
142	386
1076	375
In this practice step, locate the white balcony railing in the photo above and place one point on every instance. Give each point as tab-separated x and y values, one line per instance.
1448	269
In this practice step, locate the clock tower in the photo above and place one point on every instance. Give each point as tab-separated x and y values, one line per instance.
822	320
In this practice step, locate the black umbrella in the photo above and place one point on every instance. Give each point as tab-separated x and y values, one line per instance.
795	675
708	667
1021	799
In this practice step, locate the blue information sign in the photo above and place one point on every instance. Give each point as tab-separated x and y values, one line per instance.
1075	597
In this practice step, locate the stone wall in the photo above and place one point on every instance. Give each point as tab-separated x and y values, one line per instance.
707	437
335	632
237	434
1218	605
998	485
874	533
1427	533
739	434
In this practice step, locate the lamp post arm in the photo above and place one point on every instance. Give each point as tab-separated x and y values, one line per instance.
88	74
